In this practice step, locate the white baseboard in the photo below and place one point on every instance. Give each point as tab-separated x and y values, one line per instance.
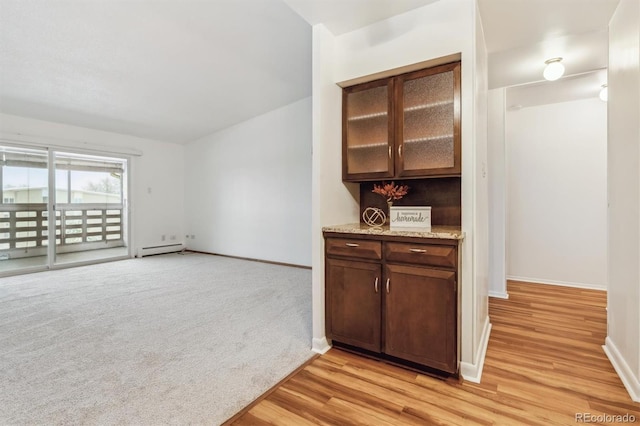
320	345
473	372
499	294
631	383
561	283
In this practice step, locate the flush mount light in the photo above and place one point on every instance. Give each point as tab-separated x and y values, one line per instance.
604	93
554	69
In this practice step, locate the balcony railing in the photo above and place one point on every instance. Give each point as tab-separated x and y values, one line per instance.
24	228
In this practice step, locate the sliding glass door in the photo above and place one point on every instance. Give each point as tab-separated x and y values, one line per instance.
89	207
82	197
24	221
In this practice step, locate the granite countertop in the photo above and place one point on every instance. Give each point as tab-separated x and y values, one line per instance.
442	232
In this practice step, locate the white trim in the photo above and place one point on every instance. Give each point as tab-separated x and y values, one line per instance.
499	294
65	145
320	345
51	208
125	197
631	383
88	262
560	283
473	372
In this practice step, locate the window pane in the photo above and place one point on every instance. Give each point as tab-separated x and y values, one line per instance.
24	185
95	187
91	179
62	186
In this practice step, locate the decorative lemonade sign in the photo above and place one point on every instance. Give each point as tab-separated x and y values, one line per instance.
418	218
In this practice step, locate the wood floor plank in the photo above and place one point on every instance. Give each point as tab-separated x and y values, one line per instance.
272	413
544	364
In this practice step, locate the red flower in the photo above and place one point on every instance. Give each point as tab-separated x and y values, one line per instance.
391	191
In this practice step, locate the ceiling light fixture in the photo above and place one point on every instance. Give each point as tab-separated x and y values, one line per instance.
604	93
554	69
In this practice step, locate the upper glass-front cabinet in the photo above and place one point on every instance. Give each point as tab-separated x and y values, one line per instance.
428	137
422	120
367	131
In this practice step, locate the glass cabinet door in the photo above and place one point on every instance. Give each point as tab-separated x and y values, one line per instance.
367	131
428	134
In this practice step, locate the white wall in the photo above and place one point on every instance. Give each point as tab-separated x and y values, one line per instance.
481	325
436	30
332	202
248	188
157	175
557	193
623	340
497	194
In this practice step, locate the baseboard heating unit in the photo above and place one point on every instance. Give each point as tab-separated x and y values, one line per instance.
150	251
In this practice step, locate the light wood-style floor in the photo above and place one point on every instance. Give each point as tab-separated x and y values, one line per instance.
544	365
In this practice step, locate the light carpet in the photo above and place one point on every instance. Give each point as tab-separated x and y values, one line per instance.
172	339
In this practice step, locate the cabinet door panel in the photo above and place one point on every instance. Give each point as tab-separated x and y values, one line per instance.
420	316
367	131
353	303
428	135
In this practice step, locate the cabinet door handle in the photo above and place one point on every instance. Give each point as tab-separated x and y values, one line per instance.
389	151
400	150
375	285
352	245
388	285
415	250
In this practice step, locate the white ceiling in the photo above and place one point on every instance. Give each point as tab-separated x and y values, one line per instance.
510	24
341	16
177	70
168	70
522	34
573	87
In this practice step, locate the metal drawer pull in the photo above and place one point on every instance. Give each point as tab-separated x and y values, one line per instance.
413	250
387	285
376	285
352	245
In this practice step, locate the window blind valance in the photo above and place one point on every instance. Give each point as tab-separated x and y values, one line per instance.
23	158
63	161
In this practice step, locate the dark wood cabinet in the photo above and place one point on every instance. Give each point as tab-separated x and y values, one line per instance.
368	131
401	304
407	126
420	316
353	296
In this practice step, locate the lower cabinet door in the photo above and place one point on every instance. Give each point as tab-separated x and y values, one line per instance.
353	301
420	316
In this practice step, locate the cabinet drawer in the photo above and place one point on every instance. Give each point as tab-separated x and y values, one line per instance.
347	247
421	254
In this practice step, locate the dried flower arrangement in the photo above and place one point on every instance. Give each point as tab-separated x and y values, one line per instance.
391	191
